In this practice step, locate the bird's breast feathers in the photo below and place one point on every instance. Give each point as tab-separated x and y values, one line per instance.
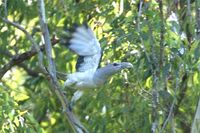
81	80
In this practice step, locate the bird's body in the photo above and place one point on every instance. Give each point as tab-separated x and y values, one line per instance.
89	74
81	80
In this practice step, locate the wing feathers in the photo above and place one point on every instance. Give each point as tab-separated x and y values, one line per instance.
84	32
80	36
83	48
85	44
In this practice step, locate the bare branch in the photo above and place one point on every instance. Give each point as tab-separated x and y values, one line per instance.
154	90
27	55
33	73
169	115
196	122
30	38
197	7
139	30
74	122
182	92
22	65
189	10
162	30
17	59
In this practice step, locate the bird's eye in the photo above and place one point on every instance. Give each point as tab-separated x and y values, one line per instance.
115	64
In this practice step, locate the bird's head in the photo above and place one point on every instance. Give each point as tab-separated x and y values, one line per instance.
117	66
102	74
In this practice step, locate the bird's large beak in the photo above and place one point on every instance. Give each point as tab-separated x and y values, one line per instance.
126	65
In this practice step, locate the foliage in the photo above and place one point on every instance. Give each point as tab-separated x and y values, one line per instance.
163	47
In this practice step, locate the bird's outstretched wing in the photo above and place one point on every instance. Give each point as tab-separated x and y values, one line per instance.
85	44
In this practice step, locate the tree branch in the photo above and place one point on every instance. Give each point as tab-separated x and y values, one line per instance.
171	109
73	121
196	121
162	30
182	92
197	7
17	59
22	65
24	56
152	63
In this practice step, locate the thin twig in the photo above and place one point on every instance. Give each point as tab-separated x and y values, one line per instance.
176	99
162	30
169	115
139	30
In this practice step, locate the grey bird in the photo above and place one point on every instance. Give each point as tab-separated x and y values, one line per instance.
88	73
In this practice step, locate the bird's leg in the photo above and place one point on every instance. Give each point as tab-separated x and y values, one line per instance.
75	97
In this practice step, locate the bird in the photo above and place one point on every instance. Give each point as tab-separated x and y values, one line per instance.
88	73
